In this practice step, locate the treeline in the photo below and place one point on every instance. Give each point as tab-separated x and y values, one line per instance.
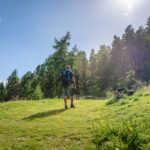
126	63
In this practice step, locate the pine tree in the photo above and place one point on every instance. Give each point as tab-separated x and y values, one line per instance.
2	92
103	70
37	93
12	86
25	85
129	38
59	61
93	63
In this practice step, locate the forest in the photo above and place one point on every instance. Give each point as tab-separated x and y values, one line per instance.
125	63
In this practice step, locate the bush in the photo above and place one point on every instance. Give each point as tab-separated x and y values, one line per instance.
112	101
123	102
124	135
135	99
37	93
139	95
129	81
146	94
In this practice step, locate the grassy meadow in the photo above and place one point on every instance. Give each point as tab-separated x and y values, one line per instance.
93	124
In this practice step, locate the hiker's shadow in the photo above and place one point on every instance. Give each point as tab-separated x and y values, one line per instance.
44	114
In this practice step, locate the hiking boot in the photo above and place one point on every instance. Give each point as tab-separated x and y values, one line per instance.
72	106
66	107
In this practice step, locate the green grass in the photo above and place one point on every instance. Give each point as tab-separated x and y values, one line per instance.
45	125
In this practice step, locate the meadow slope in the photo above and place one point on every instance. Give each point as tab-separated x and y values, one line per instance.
46	125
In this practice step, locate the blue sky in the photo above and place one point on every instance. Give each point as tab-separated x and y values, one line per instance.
28	27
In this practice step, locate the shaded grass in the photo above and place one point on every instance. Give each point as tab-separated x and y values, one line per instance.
45	114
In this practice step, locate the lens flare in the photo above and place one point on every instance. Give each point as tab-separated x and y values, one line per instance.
126	6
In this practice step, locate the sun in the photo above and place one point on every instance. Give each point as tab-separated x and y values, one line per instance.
129	4
126	6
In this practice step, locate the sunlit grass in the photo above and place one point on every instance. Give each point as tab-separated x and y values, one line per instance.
44	124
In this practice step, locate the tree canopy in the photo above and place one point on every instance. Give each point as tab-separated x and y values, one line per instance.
125	63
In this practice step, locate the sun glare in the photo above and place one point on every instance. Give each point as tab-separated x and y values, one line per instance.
127	6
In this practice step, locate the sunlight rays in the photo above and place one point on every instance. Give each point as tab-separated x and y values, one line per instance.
126	6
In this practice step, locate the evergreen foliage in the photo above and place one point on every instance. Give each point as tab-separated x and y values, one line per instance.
29	87
2	92
126	63
12	86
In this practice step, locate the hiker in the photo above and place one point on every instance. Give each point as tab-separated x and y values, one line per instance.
69	86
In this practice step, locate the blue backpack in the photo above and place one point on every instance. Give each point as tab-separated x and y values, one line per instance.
66	77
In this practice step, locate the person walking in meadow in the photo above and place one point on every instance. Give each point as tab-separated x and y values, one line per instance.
69	86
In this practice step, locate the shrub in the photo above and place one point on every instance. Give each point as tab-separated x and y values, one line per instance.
37	93
123	102
129	81
139	95
135	99
146	94
112	101
124	135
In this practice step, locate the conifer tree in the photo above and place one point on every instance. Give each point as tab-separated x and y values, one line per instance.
2	92
12	86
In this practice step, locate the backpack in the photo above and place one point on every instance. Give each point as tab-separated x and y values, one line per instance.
66	77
